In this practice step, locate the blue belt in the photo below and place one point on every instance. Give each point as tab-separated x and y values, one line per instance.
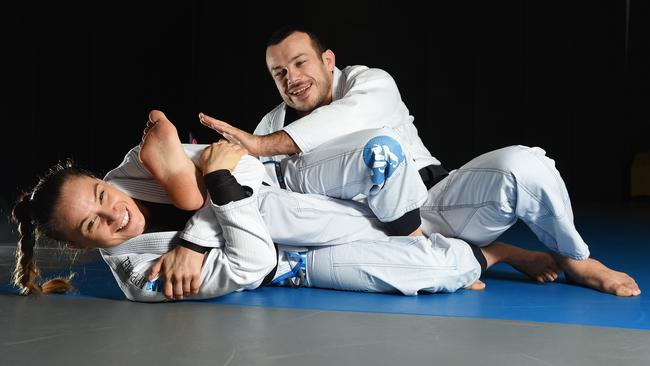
301	265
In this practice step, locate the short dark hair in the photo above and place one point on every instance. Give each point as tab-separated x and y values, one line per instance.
284	32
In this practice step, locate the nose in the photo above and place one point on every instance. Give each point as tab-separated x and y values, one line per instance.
293	76
111	215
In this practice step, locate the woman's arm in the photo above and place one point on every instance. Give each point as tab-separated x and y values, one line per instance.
247	255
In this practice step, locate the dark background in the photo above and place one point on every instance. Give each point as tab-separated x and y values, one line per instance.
570	76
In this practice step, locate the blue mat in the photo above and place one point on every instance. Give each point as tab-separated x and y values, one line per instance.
621	244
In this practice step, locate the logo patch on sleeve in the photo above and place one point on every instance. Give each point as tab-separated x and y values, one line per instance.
382	155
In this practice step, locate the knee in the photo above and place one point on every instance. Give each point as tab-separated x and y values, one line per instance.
382	154
520	161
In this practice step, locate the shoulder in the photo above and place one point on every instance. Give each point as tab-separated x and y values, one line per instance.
272	121
365	72
274	113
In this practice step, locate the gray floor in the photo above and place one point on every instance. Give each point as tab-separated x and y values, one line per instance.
54	330
81	331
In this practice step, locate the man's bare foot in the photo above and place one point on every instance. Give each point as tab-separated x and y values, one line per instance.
594	274
539	266
162	154
478	285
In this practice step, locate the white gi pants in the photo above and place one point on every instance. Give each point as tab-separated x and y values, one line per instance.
485	197
347	250
371	163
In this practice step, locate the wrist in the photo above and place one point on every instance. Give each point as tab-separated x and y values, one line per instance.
194	247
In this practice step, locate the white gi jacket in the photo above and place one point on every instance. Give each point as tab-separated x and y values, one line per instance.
244	252
362	98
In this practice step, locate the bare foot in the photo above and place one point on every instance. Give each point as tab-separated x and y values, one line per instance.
539	266
594	274
417	232
162	154
478	285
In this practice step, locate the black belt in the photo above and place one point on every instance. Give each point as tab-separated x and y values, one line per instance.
433	174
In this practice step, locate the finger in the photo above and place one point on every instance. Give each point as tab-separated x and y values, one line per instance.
241	149
230	138
178	288
169	288
548	276
215	124
207	150
206	120
155	269
187	285
195	285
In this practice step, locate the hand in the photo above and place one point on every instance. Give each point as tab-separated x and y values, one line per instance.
181	271
233	134
221	155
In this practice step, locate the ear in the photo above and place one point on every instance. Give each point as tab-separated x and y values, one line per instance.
329	59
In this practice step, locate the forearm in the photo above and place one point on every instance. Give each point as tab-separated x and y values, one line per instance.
277	143
248	253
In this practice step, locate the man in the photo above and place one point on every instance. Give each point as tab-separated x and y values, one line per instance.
343	101
480	200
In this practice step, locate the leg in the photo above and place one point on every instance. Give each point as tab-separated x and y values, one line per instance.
370	163
396	264
297	219
163	155
536	265
486	196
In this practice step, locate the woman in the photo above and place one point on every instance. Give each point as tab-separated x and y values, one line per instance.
234	232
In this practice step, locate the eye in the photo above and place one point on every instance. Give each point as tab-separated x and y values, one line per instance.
91	224
101	197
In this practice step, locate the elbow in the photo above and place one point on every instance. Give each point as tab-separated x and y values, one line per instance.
271	259
254	272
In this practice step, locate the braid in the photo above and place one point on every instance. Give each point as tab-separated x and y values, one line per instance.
26	272
33	214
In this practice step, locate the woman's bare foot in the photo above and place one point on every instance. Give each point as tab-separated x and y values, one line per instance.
594	274
539	266
162	154
478	285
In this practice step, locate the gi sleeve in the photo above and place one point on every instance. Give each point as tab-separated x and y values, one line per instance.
246	257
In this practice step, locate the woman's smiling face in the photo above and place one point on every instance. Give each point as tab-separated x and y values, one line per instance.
93	214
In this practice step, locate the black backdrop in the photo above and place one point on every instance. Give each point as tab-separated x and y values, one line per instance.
569	76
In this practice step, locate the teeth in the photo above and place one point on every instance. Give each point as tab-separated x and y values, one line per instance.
125	220
300	90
